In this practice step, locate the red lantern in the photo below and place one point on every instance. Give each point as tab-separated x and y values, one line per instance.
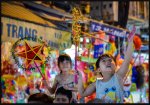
137	42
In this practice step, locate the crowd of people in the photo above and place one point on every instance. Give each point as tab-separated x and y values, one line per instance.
108	88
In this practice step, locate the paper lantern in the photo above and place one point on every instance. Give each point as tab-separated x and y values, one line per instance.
21	81
8	77
6	47
8	68
101	35
137	42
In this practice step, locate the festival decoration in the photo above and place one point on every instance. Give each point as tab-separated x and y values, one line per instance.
98	50
137	42
101	34
5	52
82	66
89	75
76	31
8	68
110	47
21	81
76	27
8	86
119	60
33	57
8	77
30	54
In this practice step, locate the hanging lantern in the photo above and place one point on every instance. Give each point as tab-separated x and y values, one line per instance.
137	42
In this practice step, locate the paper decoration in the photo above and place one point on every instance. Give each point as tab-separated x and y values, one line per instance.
32	56
137	42
98	50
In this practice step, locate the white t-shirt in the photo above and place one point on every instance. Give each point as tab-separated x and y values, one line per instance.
111	91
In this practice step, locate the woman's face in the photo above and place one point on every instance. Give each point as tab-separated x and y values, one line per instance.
61	99
107	64
65	65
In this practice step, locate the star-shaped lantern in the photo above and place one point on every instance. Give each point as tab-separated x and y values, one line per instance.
31	54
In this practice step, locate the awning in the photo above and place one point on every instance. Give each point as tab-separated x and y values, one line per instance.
19	22
46	16
20	12
52	12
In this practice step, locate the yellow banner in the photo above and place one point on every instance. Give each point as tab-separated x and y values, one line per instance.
12	30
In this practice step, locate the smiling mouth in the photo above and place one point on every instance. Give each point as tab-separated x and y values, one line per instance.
127	85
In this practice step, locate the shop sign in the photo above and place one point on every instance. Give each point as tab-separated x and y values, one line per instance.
95	27
12	30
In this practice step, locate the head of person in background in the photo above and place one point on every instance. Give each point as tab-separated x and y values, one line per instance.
40	98
64	63
97	100
140	76
63	96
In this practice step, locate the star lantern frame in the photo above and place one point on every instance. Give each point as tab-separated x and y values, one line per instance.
34	56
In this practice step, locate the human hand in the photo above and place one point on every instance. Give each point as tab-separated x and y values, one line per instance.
131	34
45	82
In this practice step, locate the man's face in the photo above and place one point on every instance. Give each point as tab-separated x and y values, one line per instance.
61	99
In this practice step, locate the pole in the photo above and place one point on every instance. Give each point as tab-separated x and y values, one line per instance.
76	62
39	70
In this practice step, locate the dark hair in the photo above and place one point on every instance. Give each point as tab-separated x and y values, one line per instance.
96	100
101	56
40	97
63	57
140	76
65	92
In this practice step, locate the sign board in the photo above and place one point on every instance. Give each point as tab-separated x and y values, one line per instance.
95	27
12	30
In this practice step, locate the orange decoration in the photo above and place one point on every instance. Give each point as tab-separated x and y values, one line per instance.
90	97
100	34
137	42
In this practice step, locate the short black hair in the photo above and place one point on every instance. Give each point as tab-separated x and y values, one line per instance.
40	97
65	92
101	56
63	57
140	76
